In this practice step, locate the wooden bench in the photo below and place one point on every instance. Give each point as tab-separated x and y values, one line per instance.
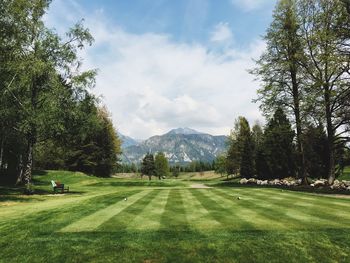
59	188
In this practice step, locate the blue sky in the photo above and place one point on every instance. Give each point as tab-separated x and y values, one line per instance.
171	63
187	20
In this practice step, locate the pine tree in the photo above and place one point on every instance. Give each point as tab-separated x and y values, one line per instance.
147	166
278	148
240	152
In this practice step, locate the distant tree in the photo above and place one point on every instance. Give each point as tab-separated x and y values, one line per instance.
240	152
147	166
175	171
220	165
278	148
161	165
261	167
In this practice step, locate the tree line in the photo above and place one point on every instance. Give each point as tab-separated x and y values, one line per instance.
305	72
49	118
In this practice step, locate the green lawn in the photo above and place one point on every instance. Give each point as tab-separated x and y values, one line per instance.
169	221
346	174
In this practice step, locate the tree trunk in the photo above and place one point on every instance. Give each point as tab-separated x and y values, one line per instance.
300	145
25	174
330	136
20	171
149	177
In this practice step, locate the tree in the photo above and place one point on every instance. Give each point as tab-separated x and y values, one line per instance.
88	144
278	149
327	68
281	73
175	171
161	165
147	166
220	165
38	63
240	152
316	151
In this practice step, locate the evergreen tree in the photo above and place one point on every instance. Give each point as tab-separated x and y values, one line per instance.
240	152
161	165
278	148
147	166
316	151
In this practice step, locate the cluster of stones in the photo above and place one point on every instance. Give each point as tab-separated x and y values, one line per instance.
338	185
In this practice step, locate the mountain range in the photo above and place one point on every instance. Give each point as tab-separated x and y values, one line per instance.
182	145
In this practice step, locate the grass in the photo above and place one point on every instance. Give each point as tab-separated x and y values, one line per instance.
345	175
168	221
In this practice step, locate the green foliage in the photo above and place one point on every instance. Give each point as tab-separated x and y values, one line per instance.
240	156
148	167
278	149
175	170
89	145
47	113
161	165
220	165
316	151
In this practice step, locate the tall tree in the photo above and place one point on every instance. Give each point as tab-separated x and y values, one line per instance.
161	165
39	61
278	148
240	152
147	166
327	67
280	71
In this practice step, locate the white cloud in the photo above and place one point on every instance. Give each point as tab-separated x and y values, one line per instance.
249	5
221	33
152	84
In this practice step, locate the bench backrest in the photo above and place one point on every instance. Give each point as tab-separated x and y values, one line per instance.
53	183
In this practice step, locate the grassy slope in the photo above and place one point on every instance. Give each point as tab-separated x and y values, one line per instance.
167	221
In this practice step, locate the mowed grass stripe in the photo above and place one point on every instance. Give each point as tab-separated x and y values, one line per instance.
287	213
301	195
226	216
93	221
174	215
120	221
197	215
253	217
149	218
313	205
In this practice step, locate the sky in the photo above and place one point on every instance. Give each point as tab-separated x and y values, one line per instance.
164	64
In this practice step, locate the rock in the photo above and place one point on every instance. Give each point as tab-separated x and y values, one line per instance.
251	181
243	181
312	185
348	188
318	183
347	183
264	182
239	198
